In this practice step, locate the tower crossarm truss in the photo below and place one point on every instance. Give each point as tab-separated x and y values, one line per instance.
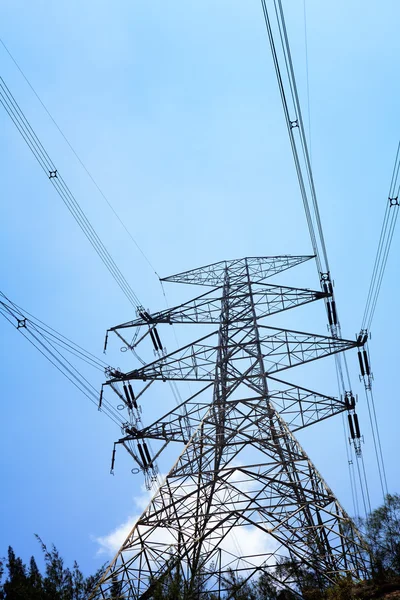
280	349
299	407
206	308
240	468
260	269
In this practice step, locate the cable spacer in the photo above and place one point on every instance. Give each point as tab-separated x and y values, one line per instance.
394	201
294	124
325	276
21	323
52	174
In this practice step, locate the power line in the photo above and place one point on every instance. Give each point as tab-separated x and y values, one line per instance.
301	155
79	158
307	77
52	346
294	122
384	244
378	271
47	331
290	125
385	239
377	441
22	124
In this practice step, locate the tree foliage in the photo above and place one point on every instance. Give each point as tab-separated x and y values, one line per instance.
58	582
383	535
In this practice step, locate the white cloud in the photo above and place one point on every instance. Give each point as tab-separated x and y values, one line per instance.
249	542
110	544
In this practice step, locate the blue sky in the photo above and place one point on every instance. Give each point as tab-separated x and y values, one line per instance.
175	111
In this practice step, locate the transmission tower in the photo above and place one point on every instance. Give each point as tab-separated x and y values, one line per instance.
241	468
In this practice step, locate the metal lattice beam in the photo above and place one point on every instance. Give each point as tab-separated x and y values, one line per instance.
206	308
260	268
280	349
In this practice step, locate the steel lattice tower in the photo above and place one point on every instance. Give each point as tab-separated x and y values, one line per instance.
241	467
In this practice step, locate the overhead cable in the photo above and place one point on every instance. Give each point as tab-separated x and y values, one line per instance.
54	346
49	332
384	244
298	141
307	77
377	441
22	124
294	121
378	271
281	56
78	157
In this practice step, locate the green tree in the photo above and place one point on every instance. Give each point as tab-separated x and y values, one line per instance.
265	588
286	595
238	588
17	583
57	583
1	579
306	579
116	589
35	581
382	528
